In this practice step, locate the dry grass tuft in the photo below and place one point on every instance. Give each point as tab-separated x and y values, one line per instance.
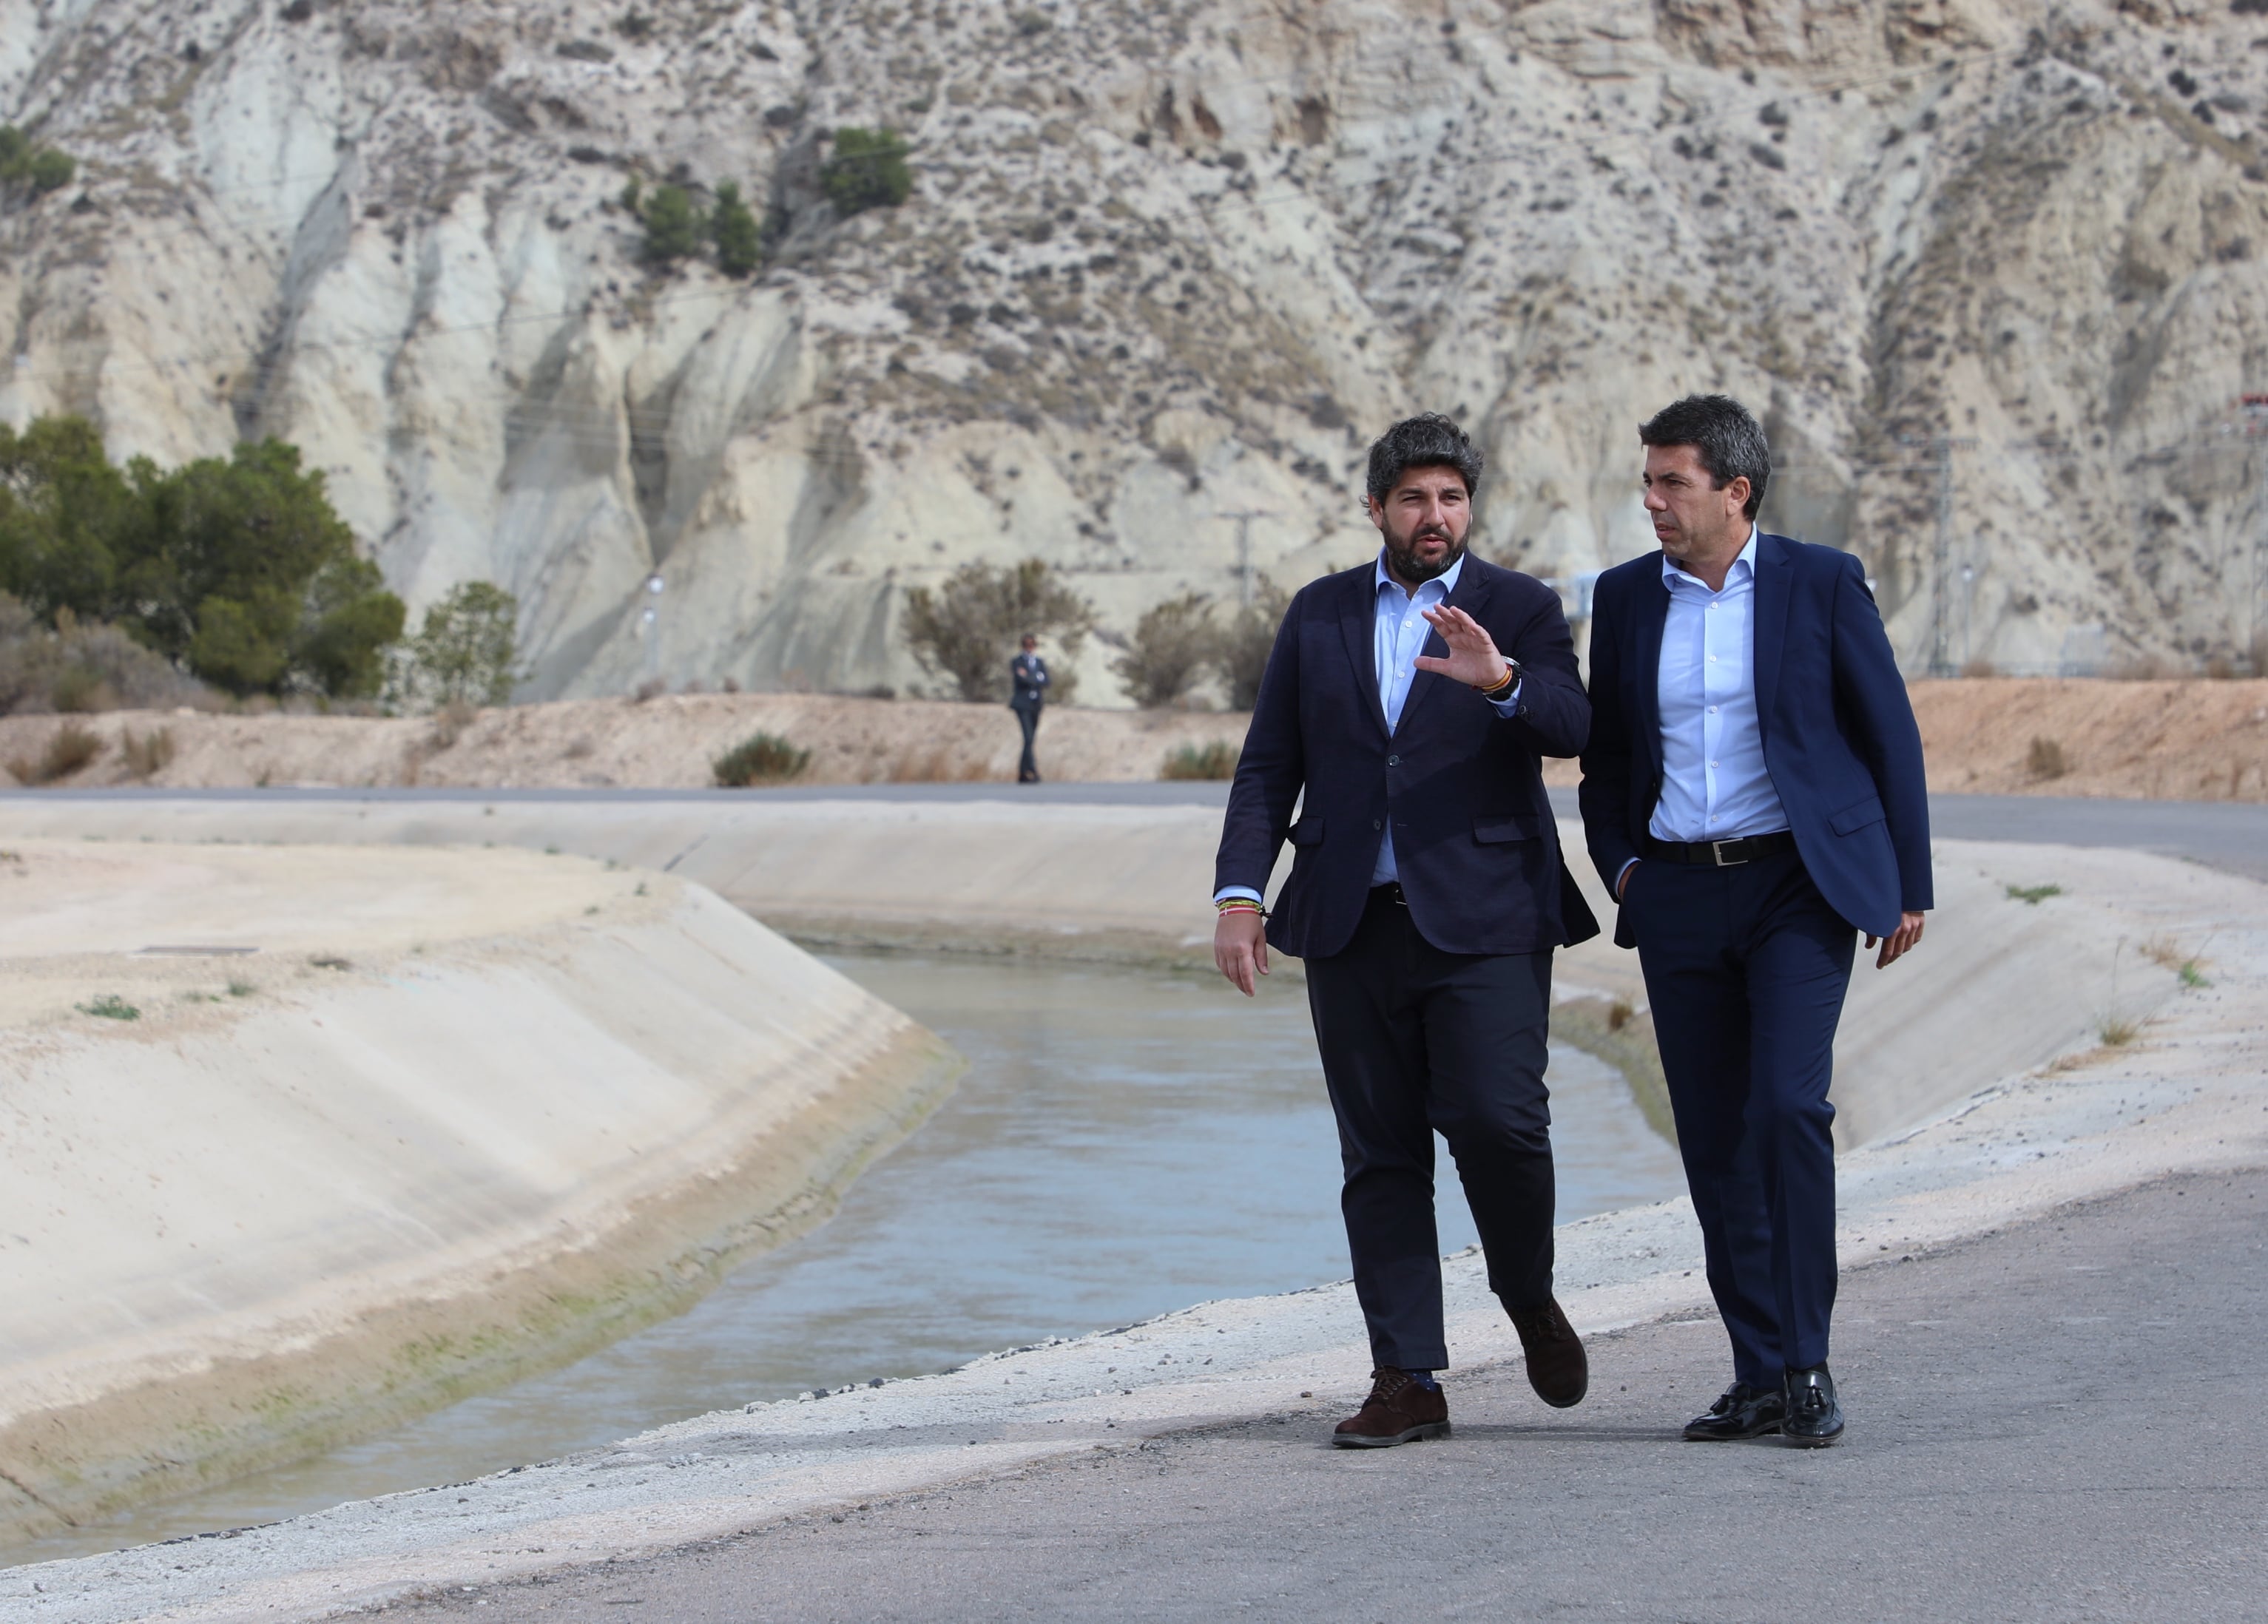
1213	760
2046	759
147	755
70	747
2117	1031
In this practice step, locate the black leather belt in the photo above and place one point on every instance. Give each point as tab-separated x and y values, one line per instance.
1721	854
1390	891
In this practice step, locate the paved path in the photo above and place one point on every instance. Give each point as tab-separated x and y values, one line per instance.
2058	1421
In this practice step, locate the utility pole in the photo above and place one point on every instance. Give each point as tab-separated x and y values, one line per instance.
1942	447
1244	518
2253	420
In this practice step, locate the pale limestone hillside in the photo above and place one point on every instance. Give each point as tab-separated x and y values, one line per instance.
1165	262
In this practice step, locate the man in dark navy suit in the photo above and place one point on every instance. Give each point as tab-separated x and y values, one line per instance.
1028	684
1411	700
1753	797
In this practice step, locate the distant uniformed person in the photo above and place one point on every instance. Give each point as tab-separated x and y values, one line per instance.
1028	674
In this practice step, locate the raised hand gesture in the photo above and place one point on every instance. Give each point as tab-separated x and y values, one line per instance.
1473	659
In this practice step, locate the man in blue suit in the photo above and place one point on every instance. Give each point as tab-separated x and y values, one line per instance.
1752	797
1411	700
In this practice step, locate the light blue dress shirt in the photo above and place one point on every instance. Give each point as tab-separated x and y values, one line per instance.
1715	784
1397	638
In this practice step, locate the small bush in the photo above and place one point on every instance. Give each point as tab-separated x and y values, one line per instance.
1216	759
35	168
1172	645
2033	894
147	755
1978	668
765	758
69	748
1619	1013
866	170
467	653
2117	1031
967	629
111	1007
673	226
2045	759
1241	652
732	227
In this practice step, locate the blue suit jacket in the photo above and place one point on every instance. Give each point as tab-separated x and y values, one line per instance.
1838	731
1474	839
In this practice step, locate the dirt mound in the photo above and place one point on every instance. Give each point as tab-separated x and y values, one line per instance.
2192	740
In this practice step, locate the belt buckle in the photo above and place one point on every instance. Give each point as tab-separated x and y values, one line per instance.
1716	851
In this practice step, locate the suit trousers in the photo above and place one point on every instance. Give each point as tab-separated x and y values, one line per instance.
1746	968
1415	1040
1028	770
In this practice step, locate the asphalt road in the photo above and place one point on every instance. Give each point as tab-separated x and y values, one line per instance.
2058	1421
2224	835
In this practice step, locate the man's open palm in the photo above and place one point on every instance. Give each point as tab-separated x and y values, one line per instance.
1473	659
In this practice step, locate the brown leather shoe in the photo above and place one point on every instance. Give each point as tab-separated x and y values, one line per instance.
1557	1367
1398	1411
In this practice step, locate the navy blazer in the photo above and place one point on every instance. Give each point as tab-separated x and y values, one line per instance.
1839	736
1474	839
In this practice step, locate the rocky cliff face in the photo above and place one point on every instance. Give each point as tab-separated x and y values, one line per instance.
1164	264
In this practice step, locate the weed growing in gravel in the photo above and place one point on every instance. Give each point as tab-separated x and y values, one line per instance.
2035	895
111	1007
761	758
2117	1031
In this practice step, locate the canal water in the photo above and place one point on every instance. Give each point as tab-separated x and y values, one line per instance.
1125	1143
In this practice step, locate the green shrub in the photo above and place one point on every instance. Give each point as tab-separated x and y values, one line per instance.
1172	645
1216	759
763	758
866	170
732	227
967	629
466	651
25	164
673	226
237	567
111	1007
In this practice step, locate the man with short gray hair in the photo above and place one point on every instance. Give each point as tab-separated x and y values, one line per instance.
1752	797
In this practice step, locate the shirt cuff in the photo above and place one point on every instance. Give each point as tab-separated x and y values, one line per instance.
1244	892
1620	875
1508	707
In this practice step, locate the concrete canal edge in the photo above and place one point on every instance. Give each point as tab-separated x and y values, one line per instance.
246	1229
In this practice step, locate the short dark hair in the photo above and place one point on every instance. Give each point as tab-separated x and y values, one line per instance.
1729	439
1429	440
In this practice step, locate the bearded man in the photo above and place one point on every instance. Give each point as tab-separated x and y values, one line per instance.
1412	700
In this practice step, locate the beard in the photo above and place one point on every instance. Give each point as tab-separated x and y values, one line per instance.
1402	558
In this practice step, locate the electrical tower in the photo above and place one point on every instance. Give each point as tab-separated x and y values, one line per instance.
1244	518
1940	448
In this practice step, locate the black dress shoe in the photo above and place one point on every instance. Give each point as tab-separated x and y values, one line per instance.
1814	1419
1740	1412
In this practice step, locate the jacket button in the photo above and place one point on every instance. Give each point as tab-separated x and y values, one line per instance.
1394	760
1378	823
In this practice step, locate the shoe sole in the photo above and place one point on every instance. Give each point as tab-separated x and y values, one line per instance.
1355	1440
1795	1440
1565	1404
1731	1437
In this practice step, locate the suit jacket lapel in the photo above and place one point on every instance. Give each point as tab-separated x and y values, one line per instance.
1359	621
1652	614
1768	628
1471	596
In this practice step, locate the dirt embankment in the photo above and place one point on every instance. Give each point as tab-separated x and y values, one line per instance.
2179	740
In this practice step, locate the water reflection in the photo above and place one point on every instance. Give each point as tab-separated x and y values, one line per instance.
1125	1143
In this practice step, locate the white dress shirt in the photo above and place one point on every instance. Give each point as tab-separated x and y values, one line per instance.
1397	638
1714	785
